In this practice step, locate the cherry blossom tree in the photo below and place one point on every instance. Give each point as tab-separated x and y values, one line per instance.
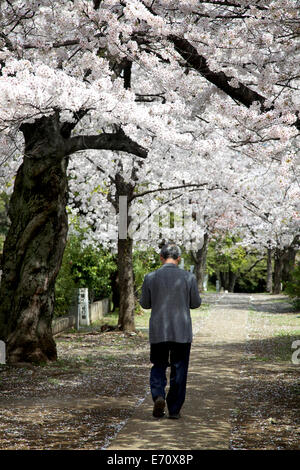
61	94
43	103
213	80
271	221
128	204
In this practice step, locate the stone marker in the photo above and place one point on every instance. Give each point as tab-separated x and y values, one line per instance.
2	352
83	307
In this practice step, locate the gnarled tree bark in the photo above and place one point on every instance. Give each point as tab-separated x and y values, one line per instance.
35	243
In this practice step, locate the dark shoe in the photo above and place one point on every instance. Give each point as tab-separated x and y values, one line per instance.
174	416
159	407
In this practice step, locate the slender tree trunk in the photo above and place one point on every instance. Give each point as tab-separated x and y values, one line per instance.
126	285
34	246
222	280
278	266
125	256
115	291
228	280
232	280
224	277
289	260
200	262
269	282
199	275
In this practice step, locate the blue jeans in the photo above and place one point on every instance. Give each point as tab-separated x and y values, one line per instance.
175	355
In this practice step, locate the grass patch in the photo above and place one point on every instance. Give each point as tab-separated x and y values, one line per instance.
53	381
283	347
276	319
283	344
278	331
286	319
278	301
142	320
293	333
277	349
109	358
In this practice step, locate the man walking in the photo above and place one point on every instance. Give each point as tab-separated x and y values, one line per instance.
170	292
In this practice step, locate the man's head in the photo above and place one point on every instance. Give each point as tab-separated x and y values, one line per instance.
170	253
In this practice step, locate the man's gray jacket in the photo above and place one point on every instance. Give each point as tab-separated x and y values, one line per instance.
170	292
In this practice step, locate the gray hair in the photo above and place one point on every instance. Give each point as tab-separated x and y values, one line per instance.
170	251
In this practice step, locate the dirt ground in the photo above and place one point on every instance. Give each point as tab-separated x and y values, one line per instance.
267	412
80	401
84	399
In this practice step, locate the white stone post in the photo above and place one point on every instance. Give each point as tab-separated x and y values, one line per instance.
2	352
83	307
205	282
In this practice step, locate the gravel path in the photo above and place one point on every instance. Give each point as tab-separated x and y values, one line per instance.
243	389
213	376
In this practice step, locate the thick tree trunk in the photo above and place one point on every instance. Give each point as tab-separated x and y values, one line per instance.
199	258
269	282
36	240
278	266
34	246
228	280
126	285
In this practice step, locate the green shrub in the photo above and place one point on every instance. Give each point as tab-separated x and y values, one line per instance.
293	287
143	263
83	266
64	288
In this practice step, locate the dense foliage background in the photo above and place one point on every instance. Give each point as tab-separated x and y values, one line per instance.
83	266
293	287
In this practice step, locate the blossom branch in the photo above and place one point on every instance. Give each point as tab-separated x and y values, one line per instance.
171	188
117	141
241	93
